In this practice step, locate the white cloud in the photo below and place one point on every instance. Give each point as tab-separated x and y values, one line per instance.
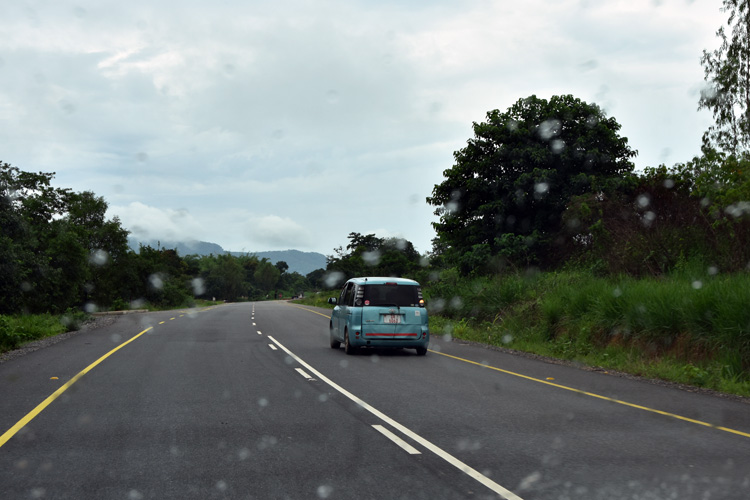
147	222
278	232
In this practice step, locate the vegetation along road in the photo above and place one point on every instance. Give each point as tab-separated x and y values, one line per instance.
247	400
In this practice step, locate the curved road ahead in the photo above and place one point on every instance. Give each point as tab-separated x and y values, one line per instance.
248	401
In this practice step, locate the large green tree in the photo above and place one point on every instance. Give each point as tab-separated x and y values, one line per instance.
505	194
57	250
727	70
368	255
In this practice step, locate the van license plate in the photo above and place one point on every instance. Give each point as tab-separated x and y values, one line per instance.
392	319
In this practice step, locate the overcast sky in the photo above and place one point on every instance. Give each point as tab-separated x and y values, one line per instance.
289	124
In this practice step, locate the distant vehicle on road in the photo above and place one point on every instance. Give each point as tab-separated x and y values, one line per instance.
379	312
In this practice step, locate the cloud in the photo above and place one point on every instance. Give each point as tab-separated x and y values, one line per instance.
147	222
259	119
278	232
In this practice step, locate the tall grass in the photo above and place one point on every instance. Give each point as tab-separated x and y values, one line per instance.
692	326
17	330
318	299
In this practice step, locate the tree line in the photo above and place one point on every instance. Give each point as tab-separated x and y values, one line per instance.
58	251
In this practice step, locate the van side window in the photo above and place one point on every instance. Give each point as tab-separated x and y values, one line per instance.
343	293
349	299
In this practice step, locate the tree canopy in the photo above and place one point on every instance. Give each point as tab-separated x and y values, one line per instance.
509	186
368	255
727	70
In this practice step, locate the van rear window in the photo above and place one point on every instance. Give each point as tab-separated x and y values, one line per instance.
391	295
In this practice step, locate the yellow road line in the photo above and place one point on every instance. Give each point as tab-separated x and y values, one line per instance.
579	391
598	396
44	404
310	310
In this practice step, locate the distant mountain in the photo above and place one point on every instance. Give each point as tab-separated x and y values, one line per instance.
301	262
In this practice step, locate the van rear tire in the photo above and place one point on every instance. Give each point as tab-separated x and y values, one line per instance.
421	351
348	348
335	344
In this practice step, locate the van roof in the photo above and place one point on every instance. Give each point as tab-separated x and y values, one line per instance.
379	280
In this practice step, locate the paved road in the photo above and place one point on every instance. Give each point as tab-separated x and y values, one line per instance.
248	401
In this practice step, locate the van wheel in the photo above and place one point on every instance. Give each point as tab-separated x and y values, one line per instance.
421	351
348	348
335	344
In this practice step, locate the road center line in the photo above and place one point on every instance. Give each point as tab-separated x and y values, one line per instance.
598	396
504	493
44	404
403	444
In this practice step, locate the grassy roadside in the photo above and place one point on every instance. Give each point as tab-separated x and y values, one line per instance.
692	327
16	330
318	299
19	329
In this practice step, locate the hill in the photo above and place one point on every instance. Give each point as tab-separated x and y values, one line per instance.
298	261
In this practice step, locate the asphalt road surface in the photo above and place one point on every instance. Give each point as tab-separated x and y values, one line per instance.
248	401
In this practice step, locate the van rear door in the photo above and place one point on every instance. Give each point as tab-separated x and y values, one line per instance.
388	312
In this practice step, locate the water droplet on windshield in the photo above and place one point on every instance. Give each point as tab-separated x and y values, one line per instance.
199	286
156	282
529	481
371	258
267	442
456	302
324	491
549	129
99	257
648	218
697	284
541	188
334	279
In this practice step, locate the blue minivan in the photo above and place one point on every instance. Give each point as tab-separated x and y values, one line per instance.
379	312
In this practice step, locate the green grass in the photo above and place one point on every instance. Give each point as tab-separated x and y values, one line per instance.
18	330
689	328
317	299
